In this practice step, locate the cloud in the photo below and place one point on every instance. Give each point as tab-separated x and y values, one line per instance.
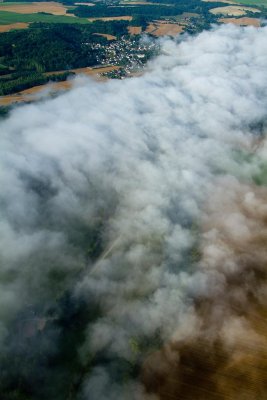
129	213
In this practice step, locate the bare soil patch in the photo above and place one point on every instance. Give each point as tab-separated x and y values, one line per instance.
10	27
242	21
106	35
233	10
31	8
135	30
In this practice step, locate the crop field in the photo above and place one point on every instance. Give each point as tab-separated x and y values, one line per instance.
161	29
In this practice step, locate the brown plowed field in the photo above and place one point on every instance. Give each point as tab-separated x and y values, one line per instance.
242	21
134	30
10	27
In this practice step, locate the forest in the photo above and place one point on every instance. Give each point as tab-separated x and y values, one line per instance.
154	11
50	47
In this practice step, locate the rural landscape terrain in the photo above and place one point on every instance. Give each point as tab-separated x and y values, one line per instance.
133	202
45	42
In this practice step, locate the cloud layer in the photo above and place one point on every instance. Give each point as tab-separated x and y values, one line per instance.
133	223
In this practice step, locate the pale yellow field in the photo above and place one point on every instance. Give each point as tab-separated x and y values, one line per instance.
233	10
134	30
242	21
124	18
31	8
10	27
161	29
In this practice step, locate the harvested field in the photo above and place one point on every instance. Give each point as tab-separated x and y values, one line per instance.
10	27
31	8
106	35
8	100
94	71
242	21
85	70
135	30
29	94
233	10
162	29
151	28
122	18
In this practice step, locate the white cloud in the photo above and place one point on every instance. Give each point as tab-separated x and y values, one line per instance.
141	157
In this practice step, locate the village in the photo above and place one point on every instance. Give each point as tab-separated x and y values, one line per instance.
130	54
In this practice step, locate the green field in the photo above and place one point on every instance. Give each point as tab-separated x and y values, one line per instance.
259	3
7	17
